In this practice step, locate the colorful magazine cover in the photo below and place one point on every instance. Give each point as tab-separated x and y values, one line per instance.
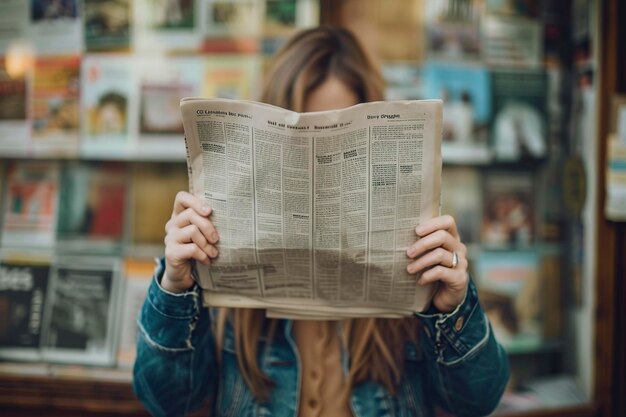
510	288
91	212
14	120
160	123
232	18
233	77
107	24
509	213
55	106
109	102
30	204
56	26
164	25
520	106
23	297
466	94
81	316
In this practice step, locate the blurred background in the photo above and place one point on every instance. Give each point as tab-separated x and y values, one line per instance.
92	155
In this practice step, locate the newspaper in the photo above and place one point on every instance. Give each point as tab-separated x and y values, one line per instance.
315	211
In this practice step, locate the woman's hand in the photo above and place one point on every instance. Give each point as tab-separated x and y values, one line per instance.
434	254
189	234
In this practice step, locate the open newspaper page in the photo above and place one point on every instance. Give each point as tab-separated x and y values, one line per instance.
315	211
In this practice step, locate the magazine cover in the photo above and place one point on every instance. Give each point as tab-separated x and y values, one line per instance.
23	297
91	209
518	8
138	274
512	42
55	106
509	213
233	18
519	114
465	91
228	76
164	25
510	288
14	120
109	102
462	198
107	24
283	17
154	188
30	204
56	26
453	30
160	124
81	315
14	21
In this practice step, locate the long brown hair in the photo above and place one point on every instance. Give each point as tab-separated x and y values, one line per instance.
375	345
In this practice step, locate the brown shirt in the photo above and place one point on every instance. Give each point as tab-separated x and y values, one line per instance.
324	391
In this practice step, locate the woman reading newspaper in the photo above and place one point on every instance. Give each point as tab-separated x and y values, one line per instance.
241	363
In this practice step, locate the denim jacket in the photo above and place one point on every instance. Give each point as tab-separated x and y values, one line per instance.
458	365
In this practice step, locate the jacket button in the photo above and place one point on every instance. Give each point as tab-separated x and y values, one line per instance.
458	324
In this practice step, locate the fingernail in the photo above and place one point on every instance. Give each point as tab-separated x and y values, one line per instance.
410	253
206	209
409	269
214	237
419	230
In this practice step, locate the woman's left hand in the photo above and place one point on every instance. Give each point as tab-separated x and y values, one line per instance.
434	254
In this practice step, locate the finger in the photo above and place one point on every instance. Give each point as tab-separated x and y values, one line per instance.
184	252
184	200
190	216
451	277
438	256
431	241
445	222
191	234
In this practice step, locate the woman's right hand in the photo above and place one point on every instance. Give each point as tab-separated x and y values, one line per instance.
189	234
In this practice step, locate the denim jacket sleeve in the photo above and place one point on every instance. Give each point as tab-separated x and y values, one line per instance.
467	367
175	370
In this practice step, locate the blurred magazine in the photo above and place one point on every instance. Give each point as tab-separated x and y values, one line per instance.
315	210
160	125
232	18
466	94
30	204
462	198
228	76
56	26
284	17
55	106
154	188
109	102
138	274
509	214
159	26
510	291
14	21
107	24
23	298
81	315
453	29
14	117
520	108
92	203
512	42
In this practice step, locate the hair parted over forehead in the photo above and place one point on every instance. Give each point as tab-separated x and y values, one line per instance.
375	345
313	55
